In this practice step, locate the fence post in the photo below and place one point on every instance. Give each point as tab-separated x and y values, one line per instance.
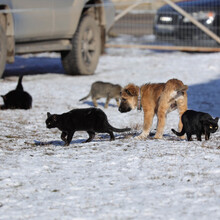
128	9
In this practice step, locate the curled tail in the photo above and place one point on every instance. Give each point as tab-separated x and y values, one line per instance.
178	92
85	97
19	85
182	88
179	133
117	129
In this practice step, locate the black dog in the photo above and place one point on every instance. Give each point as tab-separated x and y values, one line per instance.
197	123
18	98
88	119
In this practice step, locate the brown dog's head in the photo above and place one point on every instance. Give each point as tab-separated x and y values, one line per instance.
129	96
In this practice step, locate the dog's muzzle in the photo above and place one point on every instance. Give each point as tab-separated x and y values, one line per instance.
124	109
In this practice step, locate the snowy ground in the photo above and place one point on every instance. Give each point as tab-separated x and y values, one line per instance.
124	179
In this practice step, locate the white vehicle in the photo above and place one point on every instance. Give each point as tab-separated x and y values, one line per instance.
76	28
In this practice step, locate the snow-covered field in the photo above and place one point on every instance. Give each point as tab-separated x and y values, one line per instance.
123	179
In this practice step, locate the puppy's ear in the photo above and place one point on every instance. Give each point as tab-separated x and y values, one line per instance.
131	91
48	114
216	119
128	92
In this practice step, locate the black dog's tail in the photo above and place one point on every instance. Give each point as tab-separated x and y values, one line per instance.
85	97
19	85
117	129
179	133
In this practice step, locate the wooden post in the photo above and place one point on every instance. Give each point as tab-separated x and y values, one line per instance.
128	9
164	47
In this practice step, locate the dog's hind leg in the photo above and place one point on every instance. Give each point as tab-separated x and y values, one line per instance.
161	121
117	101
182	107
107	101
94	102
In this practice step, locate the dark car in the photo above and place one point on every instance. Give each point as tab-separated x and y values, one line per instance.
171	26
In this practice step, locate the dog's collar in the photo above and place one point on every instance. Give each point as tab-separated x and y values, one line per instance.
139	106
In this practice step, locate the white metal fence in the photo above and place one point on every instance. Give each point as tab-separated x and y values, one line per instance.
189	25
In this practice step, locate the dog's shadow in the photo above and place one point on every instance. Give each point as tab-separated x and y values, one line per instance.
90	103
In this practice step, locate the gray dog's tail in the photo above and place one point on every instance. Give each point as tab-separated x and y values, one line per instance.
178	133
85	97
118	129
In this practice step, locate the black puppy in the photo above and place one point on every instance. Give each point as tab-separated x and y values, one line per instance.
18	98
88	119
197	123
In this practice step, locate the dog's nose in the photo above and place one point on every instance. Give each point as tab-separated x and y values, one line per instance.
119	109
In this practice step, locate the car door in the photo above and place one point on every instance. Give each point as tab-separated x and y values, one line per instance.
32	19
66	17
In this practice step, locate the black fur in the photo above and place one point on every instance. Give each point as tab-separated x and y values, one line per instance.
18	98
197	123
88	119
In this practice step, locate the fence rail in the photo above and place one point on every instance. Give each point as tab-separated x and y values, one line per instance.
177	26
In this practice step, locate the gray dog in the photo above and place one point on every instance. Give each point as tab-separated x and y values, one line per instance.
104	90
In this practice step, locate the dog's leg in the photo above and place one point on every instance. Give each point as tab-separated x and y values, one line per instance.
117	101
182	107
148	119
94	102
107	102
161	121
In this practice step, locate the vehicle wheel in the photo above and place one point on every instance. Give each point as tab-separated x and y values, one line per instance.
3	51
86	48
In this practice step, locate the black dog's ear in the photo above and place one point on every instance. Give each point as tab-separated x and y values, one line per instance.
216	119
48	114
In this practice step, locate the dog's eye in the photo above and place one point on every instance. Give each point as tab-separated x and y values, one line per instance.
216	127
210	126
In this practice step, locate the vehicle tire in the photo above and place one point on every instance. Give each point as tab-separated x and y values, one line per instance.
86	49
3	51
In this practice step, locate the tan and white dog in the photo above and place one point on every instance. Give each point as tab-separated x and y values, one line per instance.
155	98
